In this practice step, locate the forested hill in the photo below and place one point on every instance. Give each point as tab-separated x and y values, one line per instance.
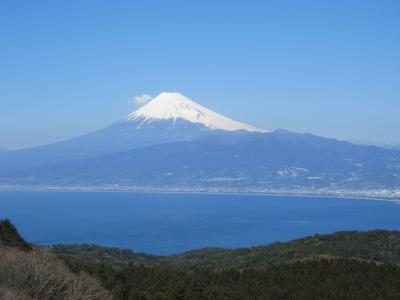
344	265
376	246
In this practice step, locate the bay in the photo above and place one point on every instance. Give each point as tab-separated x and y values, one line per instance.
168	223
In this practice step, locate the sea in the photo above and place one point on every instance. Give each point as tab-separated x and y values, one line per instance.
172	223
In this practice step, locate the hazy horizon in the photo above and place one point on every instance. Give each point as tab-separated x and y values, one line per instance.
331	69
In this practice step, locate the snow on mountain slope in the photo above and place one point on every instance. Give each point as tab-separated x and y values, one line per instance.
173	106
170	117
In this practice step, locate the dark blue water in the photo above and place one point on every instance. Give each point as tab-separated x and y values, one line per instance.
173	223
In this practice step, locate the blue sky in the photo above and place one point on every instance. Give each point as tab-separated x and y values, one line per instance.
327	67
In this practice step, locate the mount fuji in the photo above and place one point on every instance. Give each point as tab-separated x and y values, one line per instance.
173	107
169	117
173	143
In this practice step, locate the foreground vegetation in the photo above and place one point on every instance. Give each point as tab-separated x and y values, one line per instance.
345	265
316	279
28	272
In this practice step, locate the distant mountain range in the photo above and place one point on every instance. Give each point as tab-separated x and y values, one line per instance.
370	143
173	143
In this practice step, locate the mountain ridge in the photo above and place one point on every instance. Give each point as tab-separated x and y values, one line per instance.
133	131
241	162
181	146
382	246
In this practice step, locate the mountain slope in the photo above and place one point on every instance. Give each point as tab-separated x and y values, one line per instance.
175	106
247	161
169	117
173	143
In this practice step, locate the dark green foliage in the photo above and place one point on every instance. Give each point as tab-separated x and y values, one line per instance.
103	253
317	279
344	265
9	236
377	245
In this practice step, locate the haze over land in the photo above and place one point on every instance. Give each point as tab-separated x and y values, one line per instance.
172	143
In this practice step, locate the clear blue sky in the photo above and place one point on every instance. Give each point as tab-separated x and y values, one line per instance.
327	67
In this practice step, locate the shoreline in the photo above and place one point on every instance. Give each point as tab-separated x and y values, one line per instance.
244	193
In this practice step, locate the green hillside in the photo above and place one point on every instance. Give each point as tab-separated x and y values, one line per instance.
343	265
376	246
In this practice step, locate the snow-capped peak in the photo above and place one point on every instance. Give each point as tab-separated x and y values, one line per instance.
173	106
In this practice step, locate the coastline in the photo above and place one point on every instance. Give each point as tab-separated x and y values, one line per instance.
341	195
